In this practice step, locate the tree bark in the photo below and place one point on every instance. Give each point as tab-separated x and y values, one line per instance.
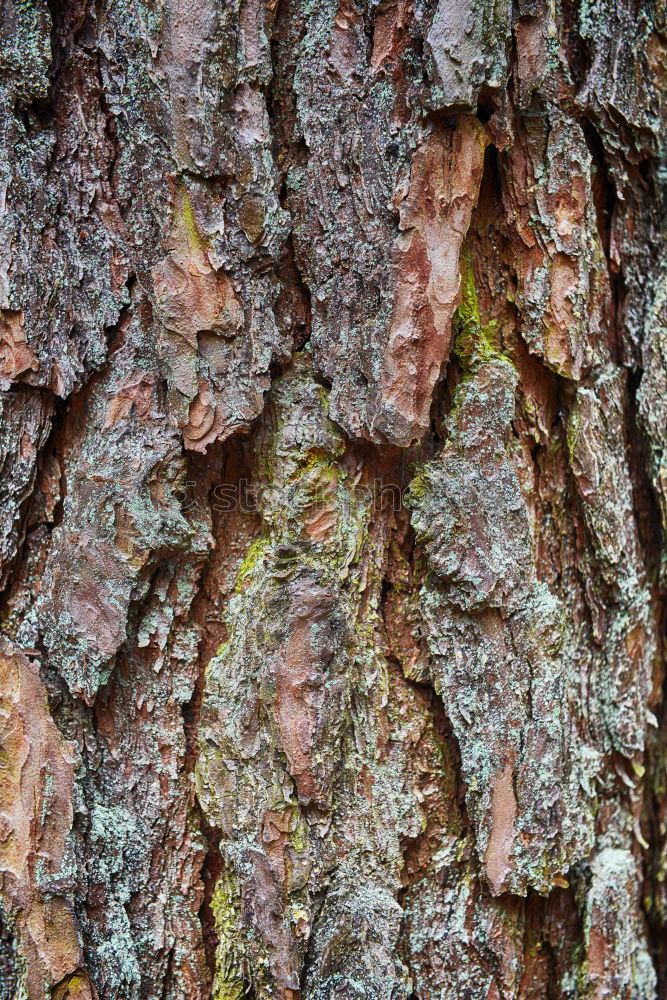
333	358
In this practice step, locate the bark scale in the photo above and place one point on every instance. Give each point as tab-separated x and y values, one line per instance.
333	363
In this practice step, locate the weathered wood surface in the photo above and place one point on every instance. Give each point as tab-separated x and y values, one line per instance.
333	376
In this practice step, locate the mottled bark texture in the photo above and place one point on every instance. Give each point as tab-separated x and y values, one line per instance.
333	377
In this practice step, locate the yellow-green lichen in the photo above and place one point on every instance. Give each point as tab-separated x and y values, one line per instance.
229	980
189	225
572	433
253	556
474	341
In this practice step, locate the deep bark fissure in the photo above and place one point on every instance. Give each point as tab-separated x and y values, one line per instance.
9	973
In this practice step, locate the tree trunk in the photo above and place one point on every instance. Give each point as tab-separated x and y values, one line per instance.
333	357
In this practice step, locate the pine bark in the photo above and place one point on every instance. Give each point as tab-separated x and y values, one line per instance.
333	374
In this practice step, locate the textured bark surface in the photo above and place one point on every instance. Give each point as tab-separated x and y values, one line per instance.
333	376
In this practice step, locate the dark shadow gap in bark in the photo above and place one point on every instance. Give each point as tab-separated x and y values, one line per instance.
68	20
293	308
654	823
418	851
415	870
605	197
651	540
577	48
213	476
211	871
487	105
653	896
29	520
605	200
9	971
645	503
552	929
